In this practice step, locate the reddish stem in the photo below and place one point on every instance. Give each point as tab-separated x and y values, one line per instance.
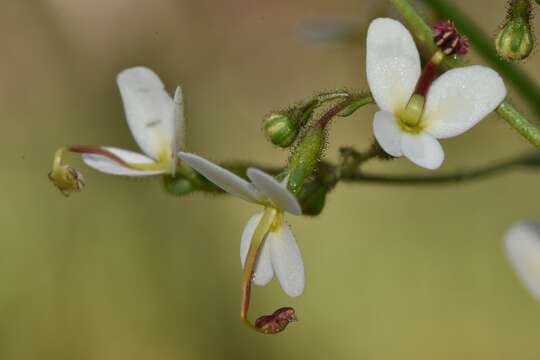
82	149
426	78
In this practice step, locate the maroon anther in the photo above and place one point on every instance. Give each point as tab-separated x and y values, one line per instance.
449	40
277	322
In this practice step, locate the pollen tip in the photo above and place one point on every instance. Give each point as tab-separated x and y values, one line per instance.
277	321
449	40
67	179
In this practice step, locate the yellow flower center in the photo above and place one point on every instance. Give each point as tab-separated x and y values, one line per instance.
410	118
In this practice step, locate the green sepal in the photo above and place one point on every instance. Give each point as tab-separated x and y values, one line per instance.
304	159
355	105
180	185
312	198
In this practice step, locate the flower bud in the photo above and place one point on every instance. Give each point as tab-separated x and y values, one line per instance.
178	185
312	198
280	129
304	160
67	179
515	41
277	322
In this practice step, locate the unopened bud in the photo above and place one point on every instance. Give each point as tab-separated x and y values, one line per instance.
67	179
280	129
178	185
515	41
313	197
304	160
449	40
277	322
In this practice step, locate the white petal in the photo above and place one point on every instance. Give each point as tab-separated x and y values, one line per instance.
387	132
109	166
263	269
523	250
277	192
422	149
460	98
287	260
223	178
149	110
393	64
178	141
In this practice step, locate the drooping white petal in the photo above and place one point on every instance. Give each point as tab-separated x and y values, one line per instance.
523	250
387	132
422	149
149	110
287	260
109	166
223	178
460	98
263	269
393	64
277	192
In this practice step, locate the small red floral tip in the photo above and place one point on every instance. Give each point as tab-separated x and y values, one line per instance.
449	40
277	322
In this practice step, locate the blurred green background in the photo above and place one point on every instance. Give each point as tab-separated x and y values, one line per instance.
125	271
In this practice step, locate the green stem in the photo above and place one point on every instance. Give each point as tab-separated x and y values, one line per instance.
519	123
461	176
482	43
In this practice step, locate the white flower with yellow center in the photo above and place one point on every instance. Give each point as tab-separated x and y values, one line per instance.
415	111
156	122
279	254
522	243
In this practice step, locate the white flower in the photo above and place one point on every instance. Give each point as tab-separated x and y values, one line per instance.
280	253
455	102
522	242
156	122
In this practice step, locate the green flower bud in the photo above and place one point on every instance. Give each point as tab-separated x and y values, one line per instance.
304	160
515	40
280	129
178	185
312	198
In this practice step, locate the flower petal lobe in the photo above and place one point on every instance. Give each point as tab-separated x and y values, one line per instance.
287	260
263	268
149	110
460	98
387	132
277	192
223	178
522	244
392	63
423	150
109	166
